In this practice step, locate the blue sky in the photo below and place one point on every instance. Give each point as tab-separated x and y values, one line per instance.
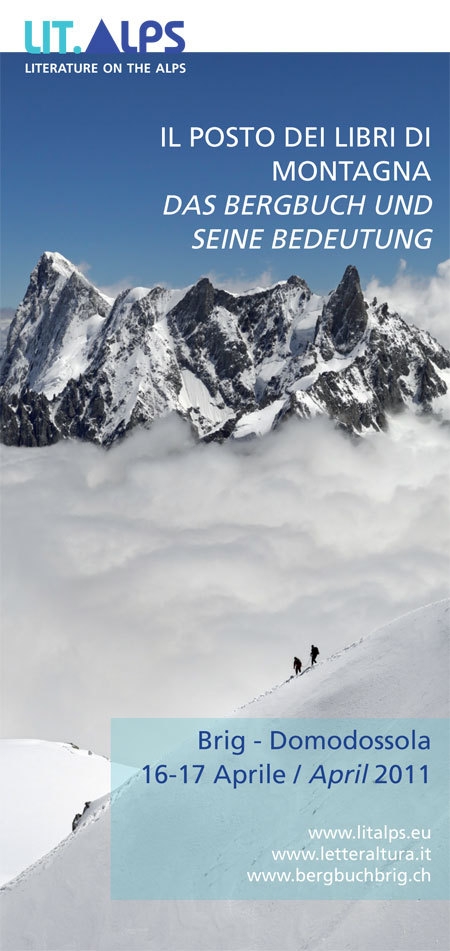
83	171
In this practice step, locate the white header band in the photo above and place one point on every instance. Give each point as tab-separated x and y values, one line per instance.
344	26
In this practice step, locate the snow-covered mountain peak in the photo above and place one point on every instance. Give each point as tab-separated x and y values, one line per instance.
55	328
53	265
53	259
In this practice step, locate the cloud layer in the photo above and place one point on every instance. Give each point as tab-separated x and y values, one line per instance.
163	578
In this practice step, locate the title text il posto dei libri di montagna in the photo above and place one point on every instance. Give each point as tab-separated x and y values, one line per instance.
370	158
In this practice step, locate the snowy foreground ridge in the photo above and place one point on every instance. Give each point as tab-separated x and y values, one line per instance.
78	364
43	786
62	902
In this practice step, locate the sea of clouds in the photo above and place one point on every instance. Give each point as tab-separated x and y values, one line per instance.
165	578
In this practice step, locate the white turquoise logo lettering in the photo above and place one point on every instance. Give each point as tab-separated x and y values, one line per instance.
52	36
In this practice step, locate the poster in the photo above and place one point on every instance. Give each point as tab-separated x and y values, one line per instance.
225	241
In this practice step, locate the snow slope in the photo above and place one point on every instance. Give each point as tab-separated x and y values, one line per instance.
43	786
393	672
63	901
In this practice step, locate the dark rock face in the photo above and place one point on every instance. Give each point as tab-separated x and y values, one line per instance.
25	421
216	353
344	318
429	385
78	365
195	308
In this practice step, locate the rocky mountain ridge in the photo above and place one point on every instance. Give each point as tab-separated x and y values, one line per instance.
80	365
